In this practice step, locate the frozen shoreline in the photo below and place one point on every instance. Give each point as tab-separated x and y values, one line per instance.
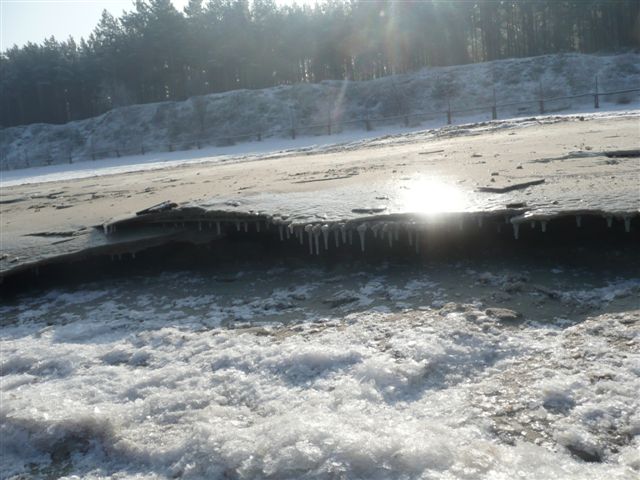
452	370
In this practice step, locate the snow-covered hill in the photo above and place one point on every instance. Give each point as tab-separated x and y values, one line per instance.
222	119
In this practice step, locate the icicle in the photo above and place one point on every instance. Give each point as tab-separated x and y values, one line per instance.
325	235
533	224
578	221
480	221
246	227
105	227
609	221
287	231
309	230
417	241
200	226
317	230
627	224
343	231
516	227
410	235
350	237
396	232
336	234
506	219
543	224
218	228
238	226
362	229
300	232
258	227
281	234
374	228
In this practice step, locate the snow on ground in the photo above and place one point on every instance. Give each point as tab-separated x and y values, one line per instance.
220	118
375	372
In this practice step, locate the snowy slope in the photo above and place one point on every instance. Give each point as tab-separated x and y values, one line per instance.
223	119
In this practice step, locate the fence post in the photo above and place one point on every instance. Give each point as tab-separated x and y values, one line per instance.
448	112
541	101
596	97
494	109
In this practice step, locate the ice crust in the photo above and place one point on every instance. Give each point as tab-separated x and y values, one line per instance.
179	376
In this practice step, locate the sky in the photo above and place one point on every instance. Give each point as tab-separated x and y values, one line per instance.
23	21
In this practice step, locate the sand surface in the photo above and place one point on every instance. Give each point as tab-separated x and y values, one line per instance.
427	172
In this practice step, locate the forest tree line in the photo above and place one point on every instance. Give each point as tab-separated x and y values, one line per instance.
156	53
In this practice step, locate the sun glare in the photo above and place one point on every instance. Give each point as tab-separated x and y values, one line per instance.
432	195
